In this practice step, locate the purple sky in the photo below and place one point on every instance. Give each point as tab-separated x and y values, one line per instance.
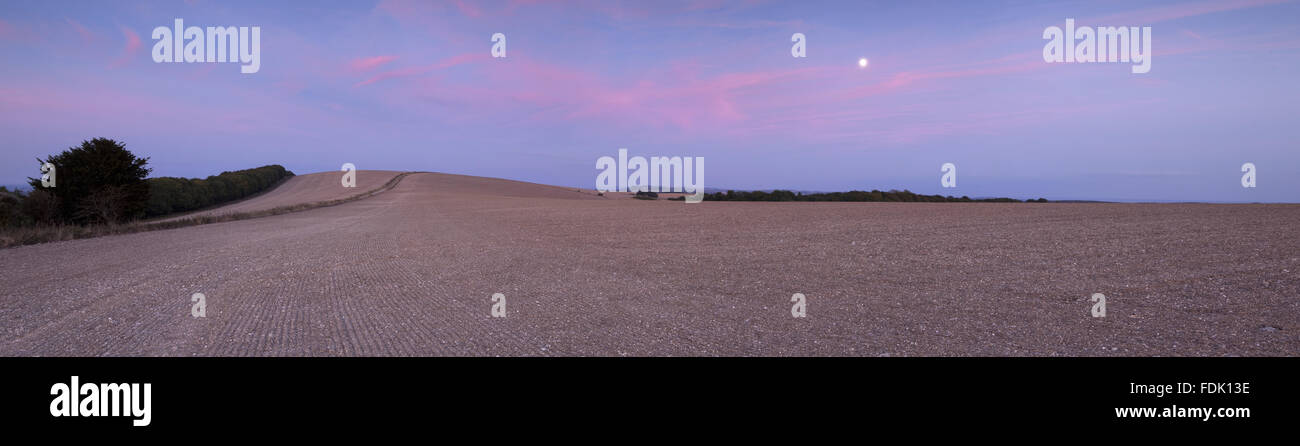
411	85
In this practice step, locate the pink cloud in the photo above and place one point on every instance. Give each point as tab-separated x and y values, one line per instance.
89	106
901	80
765	102
517	3
291	86
699	5
1157	14
131	49
424	16
86	35
419	10
370	63
712	101
749	103
468	9
20	32
555	92
391	74
424	69
739	24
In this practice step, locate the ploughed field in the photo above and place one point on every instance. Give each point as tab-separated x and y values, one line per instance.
411	271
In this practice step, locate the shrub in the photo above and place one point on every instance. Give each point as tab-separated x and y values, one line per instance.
83	176
645	195
41	207
11	208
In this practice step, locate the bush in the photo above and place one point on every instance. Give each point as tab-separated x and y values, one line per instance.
100	181
41	207
11	208
106	206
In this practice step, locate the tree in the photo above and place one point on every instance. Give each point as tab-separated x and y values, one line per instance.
107	206
42	207
100	169
10	207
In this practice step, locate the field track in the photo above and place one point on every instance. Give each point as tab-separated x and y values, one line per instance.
411	271
302	189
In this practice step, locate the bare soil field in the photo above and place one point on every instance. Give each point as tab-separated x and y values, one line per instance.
411	271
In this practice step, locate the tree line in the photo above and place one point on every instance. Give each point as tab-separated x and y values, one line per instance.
170	195
101	182
856	195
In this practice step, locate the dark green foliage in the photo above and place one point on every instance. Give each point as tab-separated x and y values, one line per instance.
27	235
97	182
646	195
171	195
857	195
11	208
40	207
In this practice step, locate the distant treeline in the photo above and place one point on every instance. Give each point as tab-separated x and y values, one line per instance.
857	195
169	194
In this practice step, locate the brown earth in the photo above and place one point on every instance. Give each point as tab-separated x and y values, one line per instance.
411	271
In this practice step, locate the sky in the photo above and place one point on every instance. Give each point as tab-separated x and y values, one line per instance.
412	85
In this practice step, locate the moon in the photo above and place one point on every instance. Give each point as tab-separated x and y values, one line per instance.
862	63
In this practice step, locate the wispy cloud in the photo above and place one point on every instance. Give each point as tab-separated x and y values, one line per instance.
424	69
130	49
468	8
1152	15
370	63
87	36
